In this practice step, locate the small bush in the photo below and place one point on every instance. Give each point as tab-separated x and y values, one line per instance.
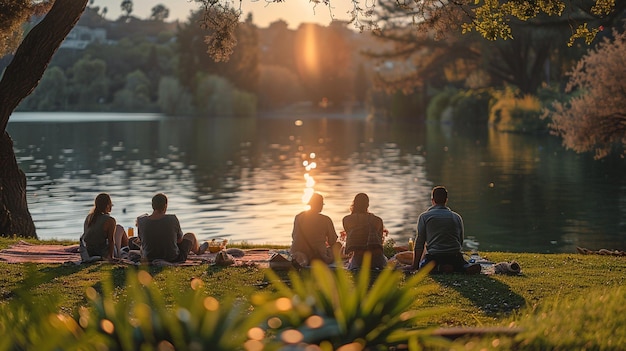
438	104
173	100
510	113
471	107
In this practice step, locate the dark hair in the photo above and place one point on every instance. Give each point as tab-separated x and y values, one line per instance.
440	195
360	203
316	201
100	204
159	202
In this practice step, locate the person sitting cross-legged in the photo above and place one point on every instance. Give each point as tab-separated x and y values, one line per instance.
440	236
161	236
314	236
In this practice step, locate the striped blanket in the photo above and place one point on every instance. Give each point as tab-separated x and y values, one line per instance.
24	252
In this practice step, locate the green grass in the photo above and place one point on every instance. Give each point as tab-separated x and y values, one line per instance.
561	301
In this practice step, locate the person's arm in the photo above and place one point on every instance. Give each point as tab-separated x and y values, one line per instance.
85	223
295	232
420	243
109	230
331	235
178	229
381	230
461	230
348	226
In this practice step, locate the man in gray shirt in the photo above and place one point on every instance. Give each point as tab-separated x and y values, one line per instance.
161	236
440	238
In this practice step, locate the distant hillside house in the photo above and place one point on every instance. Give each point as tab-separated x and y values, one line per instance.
81	36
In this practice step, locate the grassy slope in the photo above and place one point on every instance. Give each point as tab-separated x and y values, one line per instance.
472	300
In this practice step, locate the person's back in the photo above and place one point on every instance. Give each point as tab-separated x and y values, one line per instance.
358	227
95	236
439	239
313	234
444	230
159	237
312	229
364	233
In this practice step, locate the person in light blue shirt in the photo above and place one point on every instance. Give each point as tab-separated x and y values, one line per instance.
439	239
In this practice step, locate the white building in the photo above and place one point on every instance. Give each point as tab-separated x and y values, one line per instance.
80	36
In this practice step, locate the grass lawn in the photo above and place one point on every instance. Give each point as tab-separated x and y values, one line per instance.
560	301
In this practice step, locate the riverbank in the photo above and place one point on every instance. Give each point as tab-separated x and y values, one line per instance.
578	296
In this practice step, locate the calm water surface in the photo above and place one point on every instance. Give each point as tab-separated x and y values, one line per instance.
244	180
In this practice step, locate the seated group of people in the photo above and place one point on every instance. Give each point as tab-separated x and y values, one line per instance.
440	235
439	239
160	236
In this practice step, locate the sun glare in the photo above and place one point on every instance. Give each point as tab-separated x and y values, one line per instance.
309	164
308	54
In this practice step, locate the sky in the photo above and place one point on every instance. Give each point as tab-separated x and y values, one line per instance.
293	12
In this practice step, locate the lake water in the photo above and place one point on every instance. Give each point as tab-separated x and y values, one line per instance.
245	179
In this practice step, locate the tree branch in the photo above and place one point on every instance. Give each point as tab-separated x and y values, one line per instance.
31	59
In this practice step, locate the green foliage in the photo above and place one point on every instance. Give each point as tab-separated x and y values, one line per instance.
135	96
561	302
214	96
333	308
492	18
510	113
574	324
592	321
141	319
438	104
471	107
459	106
173	99
89	84
51	94
327	307
29	322
217	97
279	87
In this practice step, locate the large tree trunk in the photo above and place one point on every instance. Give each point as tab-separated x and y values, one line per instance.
19	79
15	218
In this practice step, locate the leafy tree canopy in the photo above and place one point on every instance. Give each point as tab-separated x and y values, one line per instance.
583	122
491	18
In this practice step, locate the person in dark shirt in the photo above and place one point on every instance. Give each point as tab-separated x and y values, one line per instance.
364	233
440	236
102	236
161	236
313	236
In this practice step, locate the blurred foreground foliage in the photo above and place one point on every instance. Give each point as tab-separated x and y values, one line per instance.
560	302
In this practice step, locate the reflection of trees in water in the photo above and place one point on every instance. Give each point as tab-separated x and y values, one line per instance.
523	192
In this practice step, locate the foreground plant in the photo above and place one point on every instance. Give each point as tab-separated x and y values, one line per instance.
141	320
334	308
29	322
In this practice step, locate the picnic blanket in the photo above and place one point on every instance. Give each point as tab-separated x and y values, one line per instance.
24	252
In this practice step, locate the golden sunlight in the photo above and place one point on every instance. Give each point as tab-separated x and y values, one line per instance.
309	186
308	53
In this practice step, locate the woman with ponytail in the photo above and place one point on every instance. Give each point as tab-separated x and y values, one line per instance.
100	229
